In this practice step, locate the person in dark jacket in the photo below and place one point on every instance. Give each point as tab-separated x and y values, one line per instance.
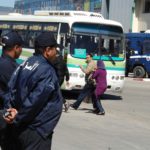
62	73
99	75
11	50
35	97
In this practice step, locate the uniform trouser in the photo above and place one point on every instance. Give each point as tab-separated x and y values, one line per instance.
30	140
9	140
25	140
86	91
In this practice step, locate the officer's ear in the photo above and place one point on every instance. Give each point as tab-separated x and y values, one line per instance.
17	46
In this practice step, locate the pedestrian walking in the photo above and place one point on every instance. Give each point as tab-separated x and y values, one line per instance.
62	73
88	88
11	50
99	75
35	97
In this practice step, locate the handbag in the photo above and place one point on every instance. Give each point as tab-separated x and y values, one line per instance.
90	80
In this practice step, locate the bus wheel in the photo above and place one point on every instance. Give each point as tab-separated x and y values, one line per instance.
139	72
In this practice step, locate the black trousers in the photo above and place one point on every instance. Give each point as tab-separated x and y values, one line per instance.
26	139
30	140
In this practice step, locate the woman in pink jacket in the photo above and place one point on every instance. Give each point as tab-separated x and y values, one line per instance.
101	85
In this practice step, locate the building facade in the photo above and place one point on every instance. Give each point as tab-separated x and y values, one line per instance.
28	6
132	14
6	10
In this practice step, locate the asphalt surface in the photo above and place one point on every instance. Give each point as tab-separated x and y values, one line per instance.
125	126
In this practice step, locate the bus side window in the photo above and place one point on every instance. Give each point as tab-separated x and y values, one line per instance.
3	32
23	36
31	41
30	38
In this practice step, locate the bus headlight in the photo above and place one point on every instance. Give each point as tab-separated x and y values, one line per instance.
112	77
81	75
121	77
117	77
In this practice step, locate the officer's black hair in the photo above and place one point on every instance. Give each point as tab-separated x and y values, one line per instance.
40	50
8	48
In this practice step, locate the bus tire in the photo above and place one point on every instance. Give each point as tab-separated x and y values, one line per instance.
139	72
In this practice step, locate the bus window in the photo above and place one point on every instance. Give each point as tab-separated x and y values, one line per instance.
112	48
30	38
4	32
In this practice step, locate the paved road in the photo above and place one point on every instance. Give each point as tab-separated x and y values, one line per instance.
126	125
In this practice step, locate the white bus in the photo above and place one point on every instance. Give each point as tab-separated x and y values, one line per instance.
79	33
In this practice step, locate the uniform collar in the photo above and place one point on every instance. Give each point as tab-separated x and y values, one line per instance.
43	59
8	57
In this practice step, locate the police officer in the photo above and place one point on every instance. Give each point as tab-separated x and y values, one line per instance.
36	97
11	50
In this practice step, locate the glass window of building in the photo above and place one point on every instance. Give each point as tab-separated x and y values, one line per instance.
147	6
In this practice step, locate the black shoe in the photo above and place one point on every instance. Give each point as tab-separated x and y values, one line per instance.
100	113
72	106
95	111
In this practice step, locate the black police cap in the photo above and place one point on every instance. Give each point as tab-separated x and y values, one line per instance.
11	39
46	39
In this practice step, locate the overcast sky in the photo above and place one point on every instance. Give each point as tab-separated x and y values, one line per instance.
7	3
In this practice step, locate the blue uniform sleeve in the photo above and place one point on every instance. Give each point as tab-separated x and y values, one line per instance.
35	101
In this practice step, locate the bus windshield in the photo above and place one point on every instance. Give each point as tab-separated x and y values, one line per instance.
102	41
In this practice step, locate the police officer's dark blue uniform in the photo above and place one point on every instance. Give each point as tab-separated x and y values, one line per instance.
10	42
7	65
35	93
11	50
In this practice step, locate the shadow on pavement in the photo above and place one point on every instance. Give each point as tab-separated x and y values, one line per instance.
111	97
70	94
74	94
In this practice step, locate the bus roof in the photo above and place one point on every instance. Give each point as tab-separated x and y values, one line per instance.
60	16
